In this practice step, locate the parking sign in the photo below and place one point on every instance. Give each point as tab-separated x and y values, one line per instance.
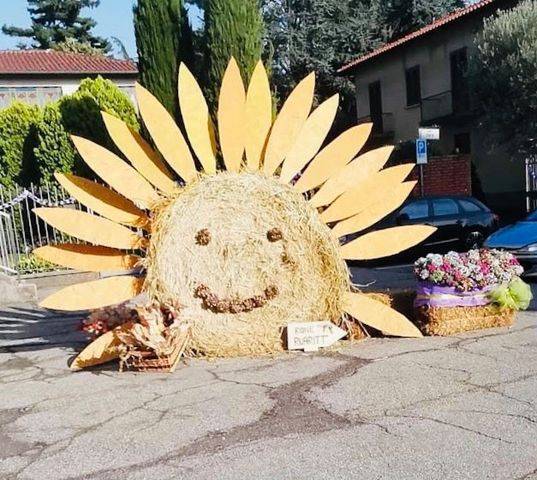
421	151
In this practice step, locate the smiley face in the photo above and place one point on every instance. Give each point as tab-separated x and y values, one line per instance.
212	302
235	251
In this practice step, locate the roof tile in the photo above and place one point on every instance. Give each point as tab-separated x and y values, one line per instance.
53	62
461	12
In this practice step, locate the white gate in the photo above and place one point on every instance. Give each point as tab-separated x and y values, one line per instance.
21	230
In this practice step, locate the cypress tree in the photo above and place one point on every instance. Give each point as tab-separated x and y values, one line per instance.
232	28
163	40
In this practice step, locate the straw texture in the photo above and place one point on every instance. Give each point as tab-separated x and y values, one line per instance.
444	321
214	247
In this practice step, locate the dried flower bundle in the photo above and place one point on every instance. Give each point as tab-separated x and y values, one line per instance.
105	319
156	331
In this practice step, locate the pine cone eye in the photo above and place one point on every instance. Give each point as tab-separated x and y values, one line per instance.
274	235
203	237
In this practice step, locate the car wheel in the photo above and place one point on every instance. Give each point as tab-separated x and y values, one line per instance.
474	240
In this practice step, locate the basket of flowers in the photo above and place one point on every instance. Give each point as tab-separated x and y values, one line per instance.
459	292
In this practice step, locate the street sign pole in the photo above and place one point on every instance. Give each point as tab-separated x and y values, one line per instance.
421	159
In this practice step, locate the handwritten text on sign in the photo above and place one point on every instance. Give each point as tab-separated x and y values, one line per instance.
311	336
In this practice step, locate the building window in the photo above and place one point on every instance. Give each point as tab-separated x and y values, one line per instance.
375	106
413	86
31	95
459	80
462	143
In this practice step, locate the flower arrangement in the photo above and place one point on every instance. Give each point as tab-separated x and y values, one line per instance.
474	270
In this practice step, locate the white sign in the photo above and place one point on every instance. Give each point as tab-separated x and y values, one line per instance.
310	336
421	151
429	133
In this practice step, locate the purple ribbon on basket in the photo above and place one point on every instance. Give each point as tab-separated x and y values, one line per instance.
428	294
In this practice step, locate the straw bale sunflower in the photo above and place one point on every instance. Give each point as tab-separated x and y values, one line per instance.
243	222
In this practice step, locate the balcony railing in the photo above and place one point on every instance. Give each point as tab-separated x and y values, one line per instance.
444	105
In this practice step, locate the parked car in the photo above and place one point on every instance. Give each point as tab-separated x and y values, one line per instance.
520	239
463	222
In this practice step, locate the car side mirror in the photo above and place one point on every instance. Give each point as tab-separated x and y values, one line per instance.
402	218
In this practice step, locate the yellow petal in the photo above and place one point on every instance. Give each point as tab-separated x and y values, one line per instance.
351	175
102	350
379	316
366	193
87	258
310	138
102	200
114	171
288	124
258	117
332	158
231	117
196	118
376	212
166	134
89	228
142	157
387	242
94	294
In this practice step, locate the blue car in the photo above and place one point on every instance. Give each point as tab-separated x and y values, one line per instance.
520	239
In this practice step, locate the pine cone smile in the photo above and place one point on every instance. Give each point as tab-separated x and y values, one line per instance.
212	302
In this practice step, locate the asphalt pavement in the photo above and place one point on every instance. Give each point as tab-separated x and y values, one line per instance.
456	408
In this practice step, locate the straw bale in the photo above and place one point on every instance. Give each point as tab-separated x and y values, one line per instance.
244	255
444	321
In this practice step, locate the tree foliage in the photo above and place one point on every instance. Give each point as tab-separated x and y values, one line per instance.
17	137
71	45
404	16
55	21
323	35
54	151
163	39
233	28
503	75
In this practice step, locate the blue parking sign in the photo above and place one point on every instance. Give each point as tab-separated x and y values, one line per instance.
421	151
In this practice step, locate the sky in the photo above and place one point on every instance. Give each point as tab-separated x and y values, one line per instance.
114	19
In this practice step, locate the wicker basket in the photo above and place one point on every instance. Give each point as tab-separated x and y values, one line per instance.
148	361
444	321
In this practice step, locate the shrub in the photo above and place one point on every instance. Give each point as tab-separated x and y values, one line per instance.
54	151
30	263
17	137
35	143
81	112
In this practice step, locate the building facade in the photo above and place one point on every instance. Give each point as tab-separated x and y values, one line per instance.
41	76
422	80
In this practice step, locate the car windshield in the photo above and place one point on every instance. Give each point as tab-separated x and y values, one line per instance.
532	217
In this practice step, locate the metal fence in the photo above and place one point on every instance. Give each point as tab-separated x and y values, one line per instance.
21	230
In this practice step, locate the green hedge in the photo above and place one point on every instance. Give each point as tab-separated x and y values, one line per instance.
54	151
17	138
34	142
81	112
